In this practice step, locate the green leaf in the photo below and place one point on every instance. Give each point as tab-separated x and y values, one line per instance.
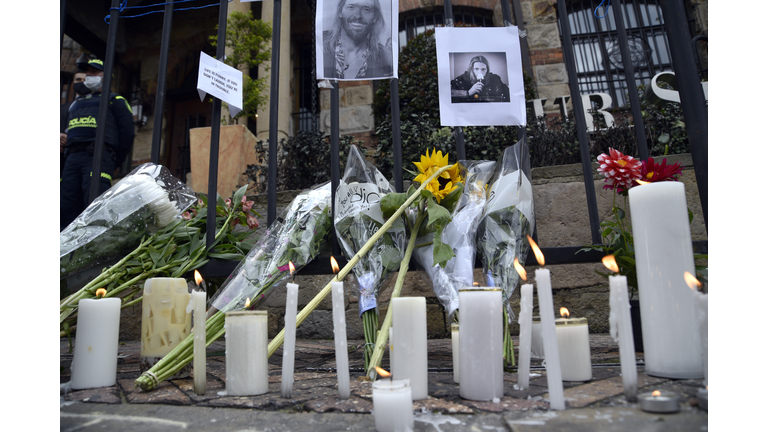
391	202
220	201
620	213
450	200
154	254
441	252
664	138
438	215
227	256
239	196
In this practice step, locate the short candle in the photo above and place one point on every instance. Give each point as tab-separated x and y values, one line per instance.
481	343
573	346
409	324
392	405
94	363
659	402
246	353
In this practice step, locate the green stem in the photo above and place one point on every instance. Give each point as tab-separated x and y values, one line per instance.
381	340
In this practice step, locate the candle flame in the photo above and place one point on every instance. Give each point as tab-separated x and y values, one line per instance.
520	270
247	302
382	373
656	393
334	265
198	278
101	292
610	262
536	251
641	182
564	312
691	280
291	267
475	284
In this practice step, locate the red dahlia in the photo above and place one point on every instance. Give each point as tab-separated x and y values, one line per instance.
620	170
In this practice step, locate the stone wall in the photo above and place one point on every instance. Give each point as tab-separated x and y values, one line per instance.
562	220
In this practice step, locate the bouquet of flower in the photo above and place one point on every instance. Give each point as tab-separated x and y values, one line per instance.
506	221
358	217
622	172
147	199
299	234
459	235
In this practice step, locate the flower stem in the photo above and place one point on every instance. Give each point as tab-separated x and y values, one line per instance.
381	340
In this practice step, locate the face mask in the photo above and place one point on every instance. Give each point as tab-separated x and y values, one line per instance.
93	82
81	88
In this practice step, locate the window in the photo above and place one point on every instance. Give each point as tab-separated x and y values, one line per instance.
596	46
417	21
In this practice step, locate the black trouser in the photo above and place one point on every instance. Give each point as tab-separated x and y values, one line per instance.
75	184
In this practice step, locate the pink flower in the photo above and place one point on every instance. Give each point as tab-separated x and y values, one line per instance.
228	201
251	220
246	205
620	170
186	215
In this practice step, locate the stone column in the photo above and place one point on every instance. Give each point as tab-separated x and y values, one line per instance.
284	88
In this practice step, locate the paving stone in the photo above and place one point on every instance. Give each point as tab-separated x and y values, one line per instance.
108	395
507	404
437	405
333	404
165	393
589	393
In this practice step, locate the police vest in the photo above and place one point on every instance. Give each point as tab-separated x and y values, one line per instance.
82	120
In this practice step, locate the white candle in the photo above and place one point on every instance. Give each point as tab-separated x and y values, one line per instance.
526	314
164	320
663	253
391	348
573	347
198	342
481	340
537	345
289	344
703	322
340	338
246	353
409	321
392	405
455	348
621	329
94	363
549	339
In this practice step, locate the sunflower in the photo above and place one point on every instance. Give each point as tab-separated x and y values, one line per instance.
430	164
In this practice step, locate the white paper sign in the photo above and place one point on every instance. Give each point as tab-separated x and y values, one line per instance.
480	76
356	39
359	198
220	81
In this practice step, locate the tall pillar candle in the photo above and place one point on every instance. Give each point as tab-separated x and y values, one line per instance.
663	253
525	321
391	348
246	353
392	405
165	321
702	309
621	318
537	345
198	342
409	321
455	350
549	340
94	363
573	347
481	340
289	343
340	338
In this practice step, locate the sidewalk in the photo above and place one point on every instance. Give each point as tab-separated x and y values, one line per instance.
596	405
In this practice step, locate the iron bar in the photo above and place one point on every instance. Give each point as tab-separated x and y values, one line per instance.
106	84
629	75
520	23
461	153
334	160
62	21
507	15
397	146
581	125
274	99
691	94
165	42
213	166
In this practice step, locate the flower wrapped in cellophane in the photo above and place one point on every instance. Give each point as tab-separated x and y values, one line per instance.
506	222
147	199
358	217
298	235
459	234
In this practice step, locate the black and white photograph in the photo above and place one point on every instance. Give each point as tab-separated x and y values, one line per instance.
480	76
355	39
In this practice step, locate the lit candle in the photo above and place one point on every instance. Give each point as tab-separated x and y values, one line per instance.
548	332
481	341
526	314
391	348
246	352
702	321
573	346
199	331
164	320
663	251
289	344
392	403
94	363
621	328
409	321
455	348
659	402
340	333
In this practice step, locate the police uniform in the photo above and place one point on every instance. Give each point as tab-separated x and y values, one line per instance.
81	136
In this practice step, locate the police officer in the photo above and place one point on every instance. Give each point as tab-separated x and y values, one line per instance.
81	136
